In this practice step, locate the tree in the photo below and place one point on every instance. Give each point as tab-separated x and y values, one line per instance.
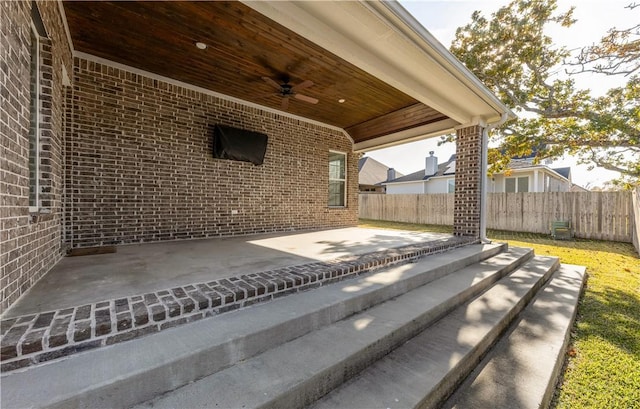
511	54
618	53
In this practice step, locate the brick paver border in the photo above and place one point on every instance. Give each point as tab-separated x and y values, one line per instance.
45	336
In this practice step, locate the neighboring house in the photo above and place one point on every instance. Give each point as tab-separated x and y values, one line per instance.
371	175
523	176
115	117
578	188
434	178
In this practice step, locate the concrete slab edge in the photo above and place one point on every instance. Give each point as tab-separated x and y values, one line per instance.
554	377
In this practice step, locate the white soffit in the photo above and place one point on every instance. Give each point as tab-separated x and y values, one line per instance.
385	41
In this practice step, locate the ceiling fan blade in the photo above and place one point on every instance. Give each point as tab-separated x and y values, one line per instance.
303	85
285	103
305	98
271	82
271	94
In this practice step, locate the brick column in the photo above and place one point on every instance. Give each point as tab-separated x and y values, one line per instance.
466	209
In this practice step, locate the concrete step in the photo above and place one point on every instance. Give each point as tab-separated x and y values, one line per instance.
122	375
514	375
423	372
299	372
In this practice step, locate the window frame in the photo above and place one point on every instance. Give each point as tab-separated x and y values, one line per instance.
34	130
516	184
547	183
343	180
451	186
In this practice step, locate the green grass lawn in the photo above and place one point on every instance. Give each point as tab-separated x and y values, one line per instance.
603	368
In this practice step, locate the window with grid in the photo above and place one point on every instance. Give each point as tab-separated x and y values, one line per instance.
516	185
337	179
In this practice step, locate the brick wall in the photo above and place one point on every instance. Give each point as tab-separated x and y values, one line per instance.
126	158
466	213
30	243
140	168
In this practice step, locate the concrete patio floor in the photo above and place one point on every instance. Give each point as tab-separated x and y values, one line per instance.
140	268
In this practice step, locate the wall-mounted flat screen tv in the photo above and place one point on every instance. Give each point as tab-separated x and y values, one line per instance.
239	144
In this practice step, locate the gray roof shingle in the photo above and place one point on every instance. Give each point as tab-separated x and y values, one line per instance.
563	171
443	169
372	172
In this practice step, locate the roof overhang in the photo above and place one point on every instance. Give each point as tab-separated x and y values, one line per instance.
385	40
543	168
402	84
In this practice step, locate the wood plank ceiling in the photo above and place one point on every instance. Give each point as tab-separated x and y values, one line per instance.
243	47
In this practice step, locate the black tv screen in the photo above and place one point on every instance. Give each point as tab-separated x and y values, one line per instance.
239	144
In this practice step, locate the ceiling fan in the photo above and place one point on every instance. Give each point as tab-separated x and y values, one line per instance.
286	90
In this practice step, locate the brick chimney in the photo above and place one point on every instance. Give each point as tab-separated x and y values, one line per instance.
430	165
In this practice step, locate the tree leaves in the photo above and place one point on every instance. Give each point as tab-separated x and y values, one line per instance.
512	55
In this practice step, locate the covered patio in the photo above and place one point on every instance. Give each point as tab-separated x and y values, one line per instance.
122	149
138	269
98	300
118	147
215	145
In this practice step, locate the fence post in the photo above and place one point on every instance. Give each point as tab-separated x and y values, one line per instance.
635	219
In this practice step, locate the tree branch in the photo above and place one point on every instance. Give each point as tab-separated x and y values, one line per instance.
609	166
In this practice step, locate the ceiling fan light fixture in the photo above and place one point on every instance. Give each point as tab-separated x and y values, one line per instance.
287	90
201	46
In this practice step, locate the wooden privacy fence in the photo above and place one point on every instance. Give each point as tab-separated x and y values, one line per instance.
409	208
594	215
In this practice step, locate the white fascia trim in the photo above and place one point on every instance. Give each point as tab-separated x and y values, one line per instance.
409	135
450	176
148	74
552	172
522	170
418	181
404	183
543	168
458	69
373	38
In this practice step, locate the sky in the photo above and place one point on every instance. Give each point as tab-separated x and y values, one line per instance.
442	18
